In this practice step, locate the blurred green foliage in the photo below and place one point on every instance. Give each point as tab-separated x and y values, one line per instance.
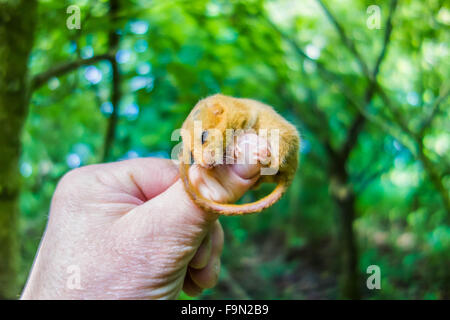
172	53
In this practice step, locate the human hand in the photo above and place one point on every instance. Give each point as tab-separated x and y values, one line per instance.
128	230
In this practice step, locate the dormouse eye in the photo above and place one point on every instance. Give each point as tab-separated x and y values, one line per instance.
204	136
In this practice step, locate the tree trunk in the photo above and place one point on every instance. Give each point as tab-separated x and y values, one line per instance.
17	23
344	198
114	39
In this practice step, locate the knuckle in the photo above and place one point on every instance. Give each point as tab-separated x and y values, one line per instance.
72	179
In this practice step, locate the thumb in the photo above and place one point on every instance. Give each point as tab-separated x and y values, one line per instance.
174	209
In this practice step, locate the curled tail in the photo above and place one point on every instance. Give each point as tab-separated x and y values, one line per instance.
230	209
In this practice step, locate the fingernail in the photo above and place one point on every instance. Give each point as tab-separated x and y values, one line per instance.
246	171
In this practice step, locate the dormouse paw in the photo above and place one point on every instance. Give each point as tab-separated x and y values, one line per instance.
252	149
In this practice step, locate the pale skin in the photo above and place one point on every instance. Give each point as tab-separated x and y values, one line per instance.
128	230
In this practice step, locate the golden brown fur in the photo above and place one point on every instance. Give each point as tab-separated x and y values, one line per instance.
223	112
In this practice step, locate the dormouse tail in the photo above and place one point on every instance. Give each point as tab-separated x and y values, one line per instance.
230	209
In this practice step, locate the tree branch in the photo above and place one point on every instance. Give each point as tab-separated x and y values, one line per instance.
346	40
114	39
40	79
369	179
320	130
419	149
360	118
434	110
317	127
331	77
335	79
387	38
434	176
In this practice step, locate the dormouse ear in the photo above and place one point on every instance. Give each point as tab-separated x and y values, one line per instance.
216	108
